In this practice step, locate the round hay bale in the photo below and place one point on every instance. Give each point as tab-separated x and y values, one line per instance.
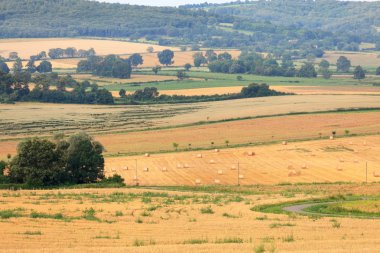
351	143
341	160
220	172
186	166
364	143
135	178
199	156
217	150
331	137
212	161
292	173
250	153
217	181
146	169
284	143
179	166
338	168
147	155
197	181
164	169
376	174
304	167
233	167
241	176
126	168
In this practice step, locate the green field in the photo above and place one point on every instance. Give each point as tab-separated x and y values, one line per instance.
211	80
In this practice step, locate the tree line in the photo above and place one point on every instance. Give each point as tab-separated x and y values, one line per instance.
15	87
151	95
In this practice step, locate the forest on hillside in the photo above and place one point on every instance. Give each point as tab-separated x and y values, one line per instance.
263	25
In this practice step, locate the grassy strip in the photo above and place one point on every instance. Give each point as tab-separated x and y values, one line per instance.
279	208
76	186
332	209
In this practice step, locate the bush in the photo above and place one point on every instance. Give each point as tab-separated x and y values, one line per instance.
115	179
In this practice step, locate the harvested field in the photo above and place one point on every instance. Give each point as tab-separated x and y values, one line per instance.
180	58
133	79
336	90
30	119
132	220
244	132
27	47
356	58
306	162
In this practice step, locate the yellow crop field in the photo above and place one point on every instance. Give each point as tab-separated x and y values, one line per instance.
308	162
356	58
138	220
27	47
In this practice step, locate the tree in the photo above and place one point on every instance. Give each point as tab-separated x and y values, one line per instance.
324	64
187	66
17	66
343	64
38	162
122	93
181	75
211	55
71	52
359	73
166	57
377	71
225	57
84	159
307	70
150	49
199	59
30	67
156	69
326	73
13	56
4	68
45	67
175	146
136	59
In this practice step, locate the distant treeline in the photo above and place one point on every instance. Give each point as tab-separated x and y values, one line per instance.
150	95
270	26
15	87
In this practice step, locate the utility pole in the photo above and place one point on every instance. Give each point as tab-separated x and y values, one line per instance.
366	172
238	167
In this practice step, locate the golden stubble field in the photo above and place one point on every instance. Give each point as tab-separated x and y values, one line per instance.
307	162
356	58
27	47
138	220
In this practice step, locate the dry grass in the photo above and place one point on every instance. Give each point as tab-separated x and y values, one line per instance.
272	164
28	47
175	225
336	90
356	58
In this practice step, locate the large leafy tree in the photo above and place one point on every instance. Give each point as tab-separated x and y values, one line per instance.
40	162
166	57
136	59
359	73
343	64
307	70
45	67
84	159
4	68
